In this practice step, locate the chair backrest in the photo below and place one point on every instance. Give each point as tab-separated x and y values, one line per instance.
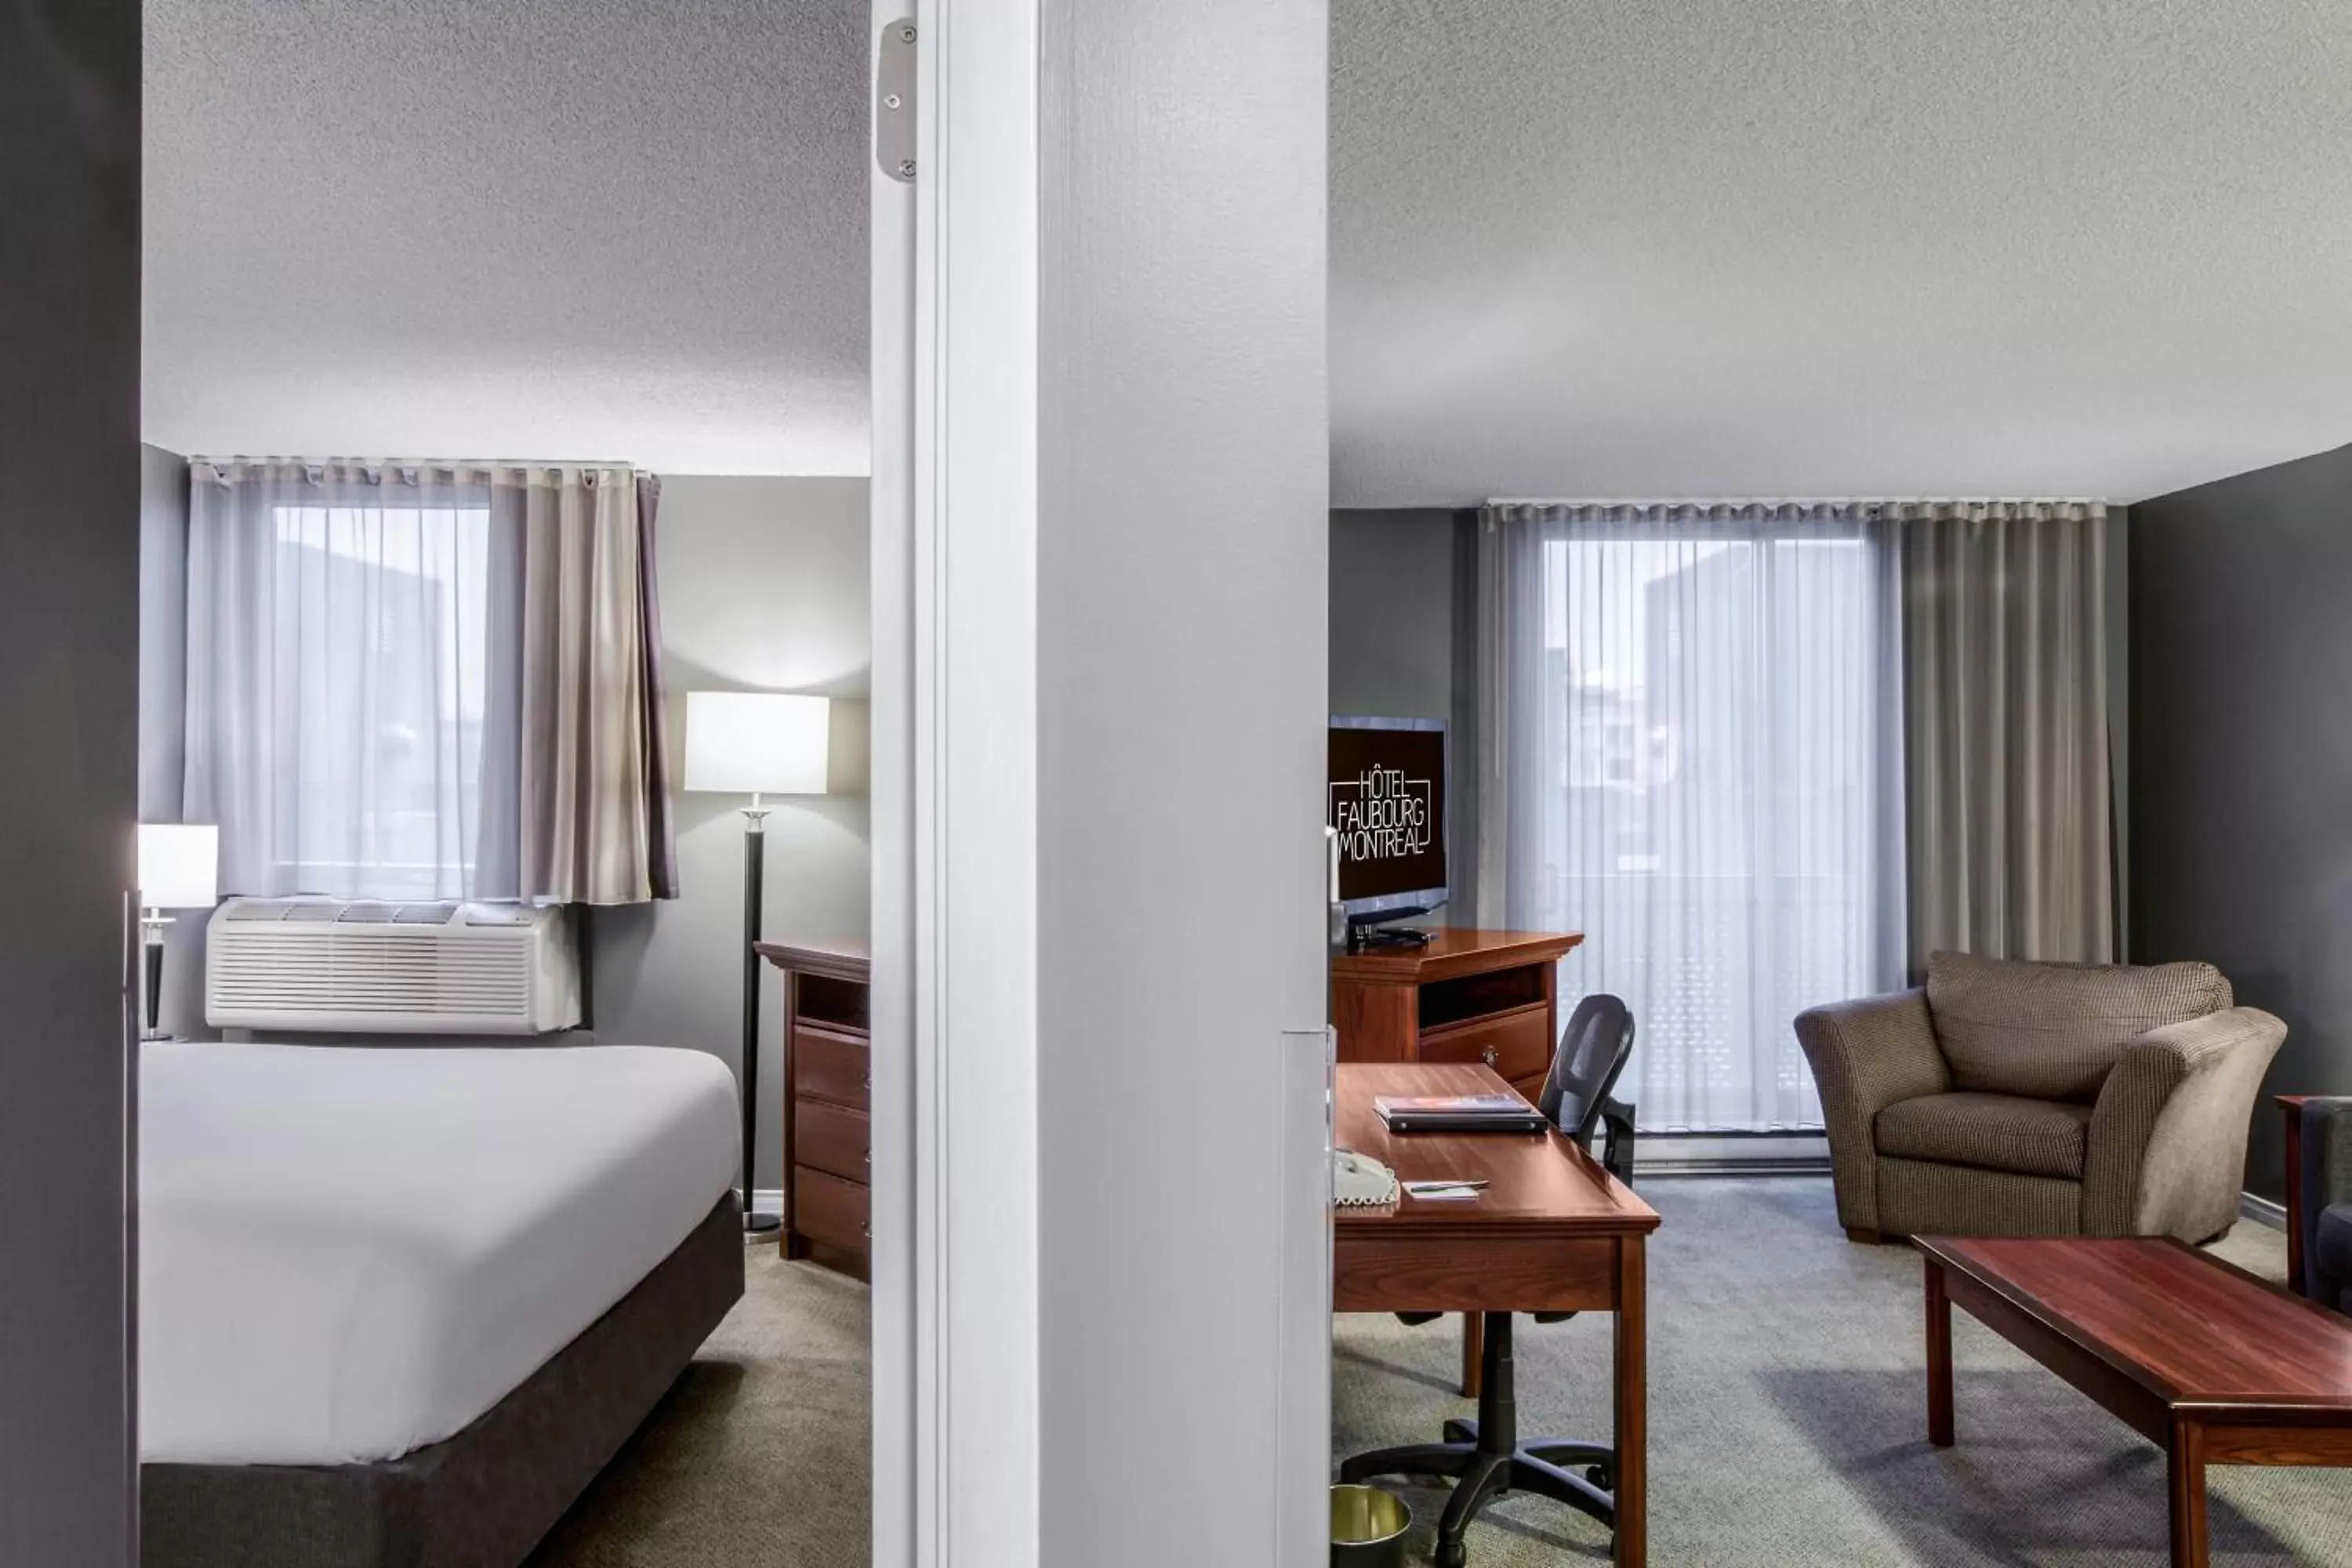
2055	1031
1592	1052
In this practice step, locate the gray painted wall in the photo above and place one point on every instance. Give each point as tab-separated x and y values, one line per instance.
763	586
69	787
1393	596
1182	579
2241	756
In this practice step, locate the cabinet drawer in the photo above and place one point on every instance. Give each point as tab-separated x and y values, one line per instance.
1519	1042
833	1139
827	1065
830	1210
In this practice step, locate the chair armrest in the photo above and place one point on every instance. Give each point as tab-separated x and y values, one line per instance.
1866	1055
2167	1136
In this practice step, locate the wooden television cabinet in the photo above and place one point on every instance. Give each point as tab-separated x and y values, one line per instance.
1487	997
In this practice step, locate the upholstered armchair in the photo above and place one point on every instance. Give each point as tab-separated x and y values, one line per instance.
2319	1198
2011	1099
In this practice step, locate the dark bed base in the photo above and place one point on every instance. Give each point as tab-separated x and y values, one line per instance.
483	1499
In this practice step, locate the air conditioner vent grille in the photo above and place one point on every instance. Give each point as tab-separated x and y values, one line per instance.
387	967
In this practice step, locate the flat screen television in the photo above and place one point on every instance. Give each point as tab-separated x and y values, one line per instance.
1386	807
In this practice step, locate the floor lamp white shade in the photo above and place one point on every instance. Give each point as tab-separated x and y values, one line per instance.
757	742
179	864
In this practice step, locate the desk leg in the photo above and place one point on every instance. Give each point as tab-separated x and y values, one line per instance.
1473	1352
1631	1438
1939	1357
2187	1465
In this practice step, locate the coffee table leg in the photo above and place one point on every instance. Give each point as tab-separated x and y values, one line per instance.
1939	1358
2188	1477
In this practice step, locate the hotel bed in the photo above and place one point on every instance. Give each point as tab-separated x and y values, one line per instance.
397	1307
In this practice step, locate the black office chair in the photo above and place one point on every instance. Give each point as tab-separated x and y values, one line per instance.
1484	1457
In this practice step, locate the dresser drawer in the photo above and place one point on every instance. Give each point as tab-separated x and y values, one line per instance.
1518	1044
833	1139
830	1210
827	1065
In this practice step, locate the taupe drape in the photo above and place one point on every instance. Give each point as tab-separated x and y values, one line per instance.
2005	731
589	784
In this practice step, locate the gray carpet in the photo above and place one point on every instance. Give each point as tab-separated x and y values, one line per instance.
760	1455
1788	1418
1787	1425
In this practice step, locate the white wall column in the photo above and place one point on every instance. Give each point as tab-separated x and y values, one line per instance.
1100	630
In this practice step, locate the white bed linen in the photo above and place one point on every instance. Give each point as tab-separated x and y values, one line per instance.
347	1254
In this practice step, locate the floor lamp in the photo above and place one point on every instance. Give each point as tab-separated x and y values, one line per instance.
757	744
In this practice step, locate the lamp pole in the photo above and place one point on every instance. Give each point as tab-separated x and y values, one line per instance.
755	863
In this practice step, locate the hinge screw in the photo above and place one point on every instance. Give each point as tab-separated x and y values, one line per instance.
891	101
906	168
906	35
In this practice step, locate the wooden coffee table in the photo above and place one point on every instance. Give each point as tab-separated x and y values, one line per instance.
2210	1363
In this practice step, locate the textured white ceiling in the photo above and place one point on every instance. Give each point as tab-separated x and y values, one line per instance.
1812	247
1579	247
629	230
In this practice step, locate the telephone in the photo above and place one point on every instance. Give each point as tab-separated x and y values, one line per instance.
1357	1180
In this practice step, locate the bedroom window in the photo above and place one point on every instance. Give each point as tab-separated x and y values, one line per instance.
379	617
415	682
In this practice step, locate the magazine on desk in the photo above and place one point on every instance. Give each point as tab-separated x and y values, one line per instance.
1458	1113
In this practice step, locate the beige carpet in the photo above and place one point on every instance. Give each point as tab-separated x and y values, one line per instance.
1787	1422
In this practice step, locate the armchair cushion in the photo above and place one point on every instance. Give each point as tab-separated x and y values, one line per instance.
2053	1031
1989	1132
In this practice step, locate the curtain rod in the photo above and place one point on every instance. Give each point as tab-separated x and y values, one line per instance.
1796	501
282	460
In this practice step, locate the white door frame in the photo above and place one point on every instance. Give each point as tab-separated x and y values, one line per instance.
954	800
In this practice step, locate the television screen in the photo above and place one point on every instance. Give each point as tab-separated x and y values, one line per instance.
1386	805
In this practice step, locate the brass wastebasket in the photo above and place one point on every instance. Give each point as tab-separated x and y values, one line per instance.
1368	1528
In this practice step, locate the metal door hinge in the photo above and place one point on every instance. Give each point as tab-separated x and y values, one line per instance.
894	100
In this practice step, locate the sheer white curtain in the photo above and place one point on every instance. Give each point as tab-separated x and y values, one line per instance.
338	672
1690	729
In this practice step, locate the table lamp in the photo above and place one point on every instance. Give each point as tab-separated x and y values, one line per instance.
179	869
756	743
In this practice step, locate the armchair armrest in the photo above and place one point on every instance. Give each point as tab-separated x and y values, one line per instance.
2167	1136
1866	1055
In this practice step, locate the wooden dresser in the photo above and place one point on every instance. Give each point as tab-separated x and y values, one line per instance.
828	1078
1487	997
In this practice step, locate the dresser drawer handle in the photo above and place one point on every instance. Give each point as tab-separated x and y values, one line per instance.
1490	1056
865	1229
869	1156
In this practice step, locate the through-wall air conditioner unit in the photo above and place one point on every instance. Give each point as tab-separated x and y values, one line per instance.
377	968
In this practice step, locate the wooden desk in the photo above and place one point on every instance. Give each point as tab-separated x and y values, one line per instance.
828	1078
2208	1362
1486	997
1552	1232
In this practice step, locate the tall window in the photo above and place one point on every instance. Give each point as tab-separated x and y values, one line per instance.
381	622
1714	719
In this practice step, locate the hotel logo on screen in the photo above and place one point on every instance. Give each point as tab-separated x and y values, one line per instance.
1382	815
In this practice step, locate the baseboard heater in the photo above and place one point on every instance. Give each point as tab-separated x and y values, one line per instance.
348	966
1731	1155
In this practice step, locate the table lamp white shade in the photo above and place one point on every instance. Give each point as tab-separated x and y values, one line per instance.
179	866
757	742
